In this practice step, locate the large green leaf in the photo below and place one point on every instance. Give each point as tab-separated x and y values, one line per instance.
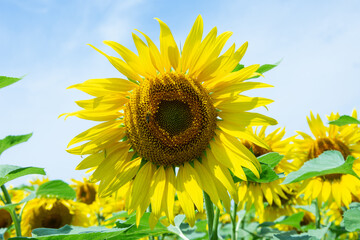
6	81
352	220
10	141
56	189
77	233
344	120
272	159
329	162
10	172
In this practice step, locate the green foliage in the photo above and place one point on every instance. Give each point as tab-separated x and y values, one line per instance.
6	81
352	219
267	175
272	159
266	67
10	141
12	206
344	120
56	189
293	220
143	230
329	162
10	172
77	233
238	67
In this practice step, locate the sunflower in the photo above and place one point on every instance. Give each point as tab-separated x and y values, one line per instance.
254	193
338	188
53	213
86	192
173	125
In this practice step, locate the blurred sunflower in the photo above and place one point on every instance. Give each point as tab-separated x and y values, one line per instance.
86	192
53	213
253	193
159	123
287	208
338	188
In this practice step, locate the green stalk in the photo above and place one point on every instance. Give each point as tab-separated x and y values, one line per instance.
210	214
233	222
317	214
215	224
13	214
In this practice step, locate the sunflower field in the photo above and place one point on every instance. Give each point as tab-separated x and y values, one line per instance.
178	151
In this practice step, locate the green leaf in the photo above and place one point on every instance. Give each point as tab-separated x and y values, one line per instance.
344	120
352	220
78	233
56	189
267	175
272	159
238	67
266	67
143	230
10	141
293	220
329	162
10	172
6	81
12	206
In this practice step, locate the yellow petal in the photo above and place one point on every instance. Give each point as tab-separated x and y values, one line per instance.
159	186
192	42
221	173
241	103
155	55
130	58
192	185
336	192
169	50
121	66
242	134
244	119
185	201
170	187
105	86
144	55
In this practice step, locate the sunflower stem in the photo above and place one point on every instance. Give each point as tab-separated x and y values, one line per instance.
317	214
13	214
233	222
216	223
210	215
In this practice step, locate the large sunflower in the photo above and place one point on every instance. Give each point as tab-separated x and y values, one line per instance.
173	125
338	188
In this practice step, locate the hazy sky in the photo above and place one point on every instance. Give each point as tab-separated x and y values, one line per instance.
318	42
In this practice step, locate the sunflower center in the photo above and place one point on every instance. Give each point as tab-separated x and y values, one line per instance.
55	217
86	193
257	151
173	116
324	144
170	119
5	218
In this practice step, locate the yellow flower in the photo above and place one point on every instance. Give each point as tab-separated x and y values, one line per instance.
53	213
252	193
86	192
5	218
338	188
173	125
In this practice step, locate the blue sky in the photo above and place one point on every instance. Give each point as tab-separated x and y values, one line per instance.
318	42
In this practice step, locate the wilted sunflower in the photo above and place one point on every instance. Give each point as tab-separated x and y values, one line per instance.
338	188
158	123
53	213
